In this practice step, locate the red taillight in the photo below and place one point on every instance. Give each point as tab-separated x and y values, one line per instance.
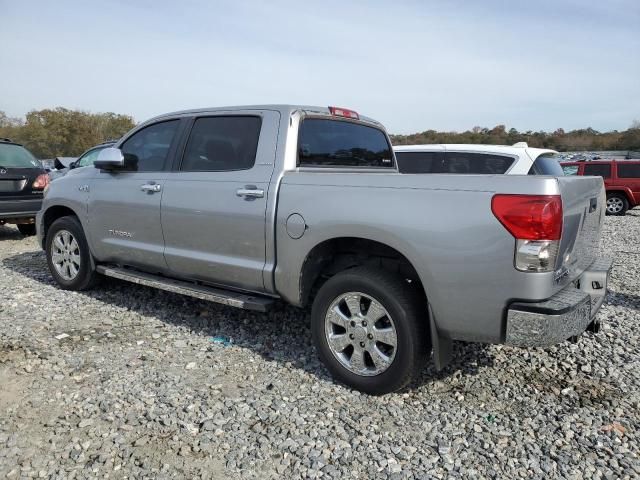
529	217
344	112
41	182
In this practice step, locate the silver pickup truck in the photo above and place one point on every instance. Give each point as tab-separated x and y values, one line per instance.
246	206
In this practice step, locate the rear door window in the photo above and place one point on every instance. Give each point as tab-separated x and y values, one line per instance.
222	143
419	162
476	163
329	143
597	170
548	164
453	162
629	170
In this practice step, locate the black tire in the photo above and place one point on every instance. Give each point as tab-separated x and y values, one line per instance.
617	204
409	316
86	276
27	229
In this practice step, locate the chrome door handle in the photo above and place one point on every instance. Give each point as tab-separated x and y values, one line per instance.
150	187
250	193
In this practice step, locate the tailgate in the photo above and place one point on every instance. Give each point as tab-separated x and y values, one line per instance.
583	206
16	182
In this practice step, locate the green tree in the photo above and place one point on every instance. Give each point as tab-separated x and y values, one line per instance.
62	132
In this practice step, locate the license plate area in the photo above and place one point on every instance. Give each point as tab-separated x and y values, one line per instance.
12	185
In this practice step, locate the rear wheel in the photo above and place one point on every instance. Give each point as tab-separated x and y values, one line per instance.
68	255
27	229
369	330
617	204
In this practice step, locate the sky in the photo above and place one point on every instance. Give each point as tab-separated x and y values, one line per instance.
413	65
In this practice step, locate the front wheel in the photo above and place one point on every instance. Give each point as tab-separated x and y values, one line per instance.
68	255
617	204
369	330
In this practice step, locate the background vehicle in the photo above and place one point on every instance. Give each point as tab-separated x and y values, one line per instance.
22	181
621	181
246	205
86	159
518	159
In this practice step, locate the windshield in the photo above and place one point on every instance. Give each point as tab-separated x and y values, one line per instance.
16	156
89	157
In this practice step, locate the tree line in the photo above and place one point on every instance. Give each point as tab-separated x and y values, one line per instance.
60	132
586	139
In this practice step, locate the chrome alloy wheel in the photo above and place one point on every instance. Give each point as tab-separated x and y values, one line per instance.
361	334
65	255
614	205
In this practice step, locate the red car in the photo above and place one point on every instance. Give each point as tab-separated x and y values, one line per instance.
621	180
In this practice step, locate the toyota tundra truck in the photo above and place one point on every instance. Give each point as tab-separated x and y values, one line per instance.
248	206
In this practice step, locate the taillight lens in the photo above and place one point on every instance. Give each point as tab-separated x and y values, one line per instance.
41	182
530	217
535	221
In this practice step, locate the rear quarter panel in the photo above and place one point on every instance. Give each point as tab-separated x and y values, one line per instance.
442	224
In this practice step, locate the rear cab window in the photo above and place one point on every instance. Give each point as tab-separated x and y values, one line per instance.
453	162
548	164
16	156
341	143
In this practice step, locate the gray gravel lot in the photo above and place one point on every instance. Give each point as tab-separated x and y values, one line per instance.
125	381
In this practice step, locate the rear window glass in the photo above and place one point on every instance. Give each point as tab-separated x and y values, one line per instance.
548	164
453	162
597	170
16	156
629	171
329	143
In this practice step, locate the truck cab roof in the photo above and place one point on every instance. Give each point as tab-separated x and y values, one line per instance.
284	109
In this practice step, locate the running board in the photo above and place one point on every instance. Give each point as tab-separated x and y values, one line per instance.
225	297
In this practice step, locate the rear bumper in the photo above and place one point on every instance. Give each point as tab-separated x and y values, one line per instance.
568	313
11	209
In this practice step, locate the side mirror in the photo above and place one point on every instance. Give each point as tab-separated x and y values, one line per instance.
109	159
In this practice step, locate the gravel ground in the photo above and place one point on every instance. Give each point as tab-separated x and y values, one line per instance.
125	381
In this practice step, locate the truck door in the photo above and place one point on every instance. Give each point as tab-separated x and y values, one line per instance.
124	206
215	200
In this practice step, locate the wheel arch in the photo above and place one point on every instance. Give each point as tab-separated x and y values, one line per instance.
51	214
336	254
625	191
333	255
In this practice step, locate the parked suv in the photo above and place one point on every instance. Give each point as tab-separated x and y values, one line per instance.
476	159
22	181
248	205
621	181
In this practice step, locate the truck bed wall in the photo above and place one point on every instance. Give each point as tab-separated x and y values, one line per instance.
442	224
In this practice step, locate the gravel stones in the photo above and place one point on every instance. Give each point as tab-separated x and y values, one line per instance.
125	381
